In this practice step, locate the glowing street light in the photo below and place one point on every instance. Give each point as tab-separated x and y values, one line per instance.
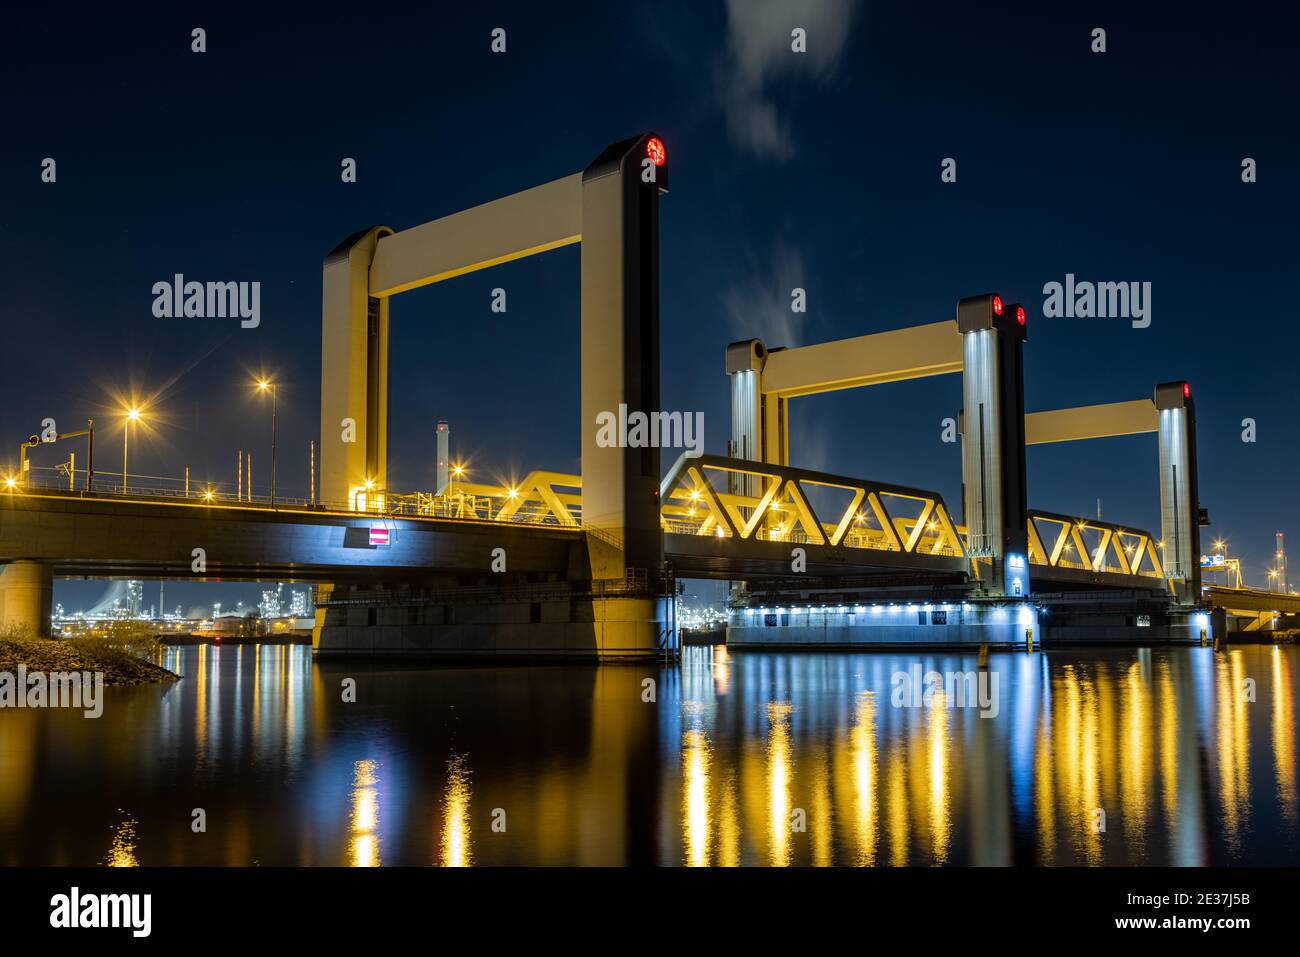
132	415
265	385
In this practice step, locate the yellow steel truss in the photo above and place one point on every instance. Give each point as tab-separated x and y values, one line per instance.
1115	550
691	503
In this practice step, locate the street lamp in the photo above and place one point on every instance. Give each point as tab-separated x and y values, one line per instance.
132	415
264	385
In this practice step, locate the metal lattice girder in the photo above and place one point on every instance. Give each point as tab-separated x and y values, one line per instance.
540	488
1118	550
691	503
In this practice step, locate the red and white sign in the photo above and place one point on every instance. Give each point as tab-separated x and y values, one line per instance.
379	536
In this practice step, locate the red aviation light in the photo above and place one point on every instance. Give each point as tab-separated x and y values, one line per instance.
1020	314
655	149
1187	390
997	305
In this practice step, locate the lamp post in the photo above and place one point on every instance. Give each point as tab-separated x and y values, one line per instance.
264	385
132	415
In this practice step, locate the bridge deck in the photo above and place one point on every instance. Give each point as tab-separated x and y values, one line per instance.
106	536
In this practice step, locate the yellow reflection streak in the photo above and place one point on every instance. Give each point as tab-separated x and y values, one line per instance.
1077	760
1090	768
778	781
363	847
1284	736
201	704
121	853
819	825
457	850
896	788
729	824
862	744
721	670
1045	791
695	797
1135	759
940	816
1230	741
1168	746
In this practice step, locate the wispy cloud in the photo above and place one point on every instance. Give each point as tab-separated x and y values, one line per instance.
758	304
759	54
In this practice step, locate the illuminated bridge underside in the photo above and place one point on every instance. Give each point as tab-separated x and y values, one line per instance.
712	529
142	539
1251	600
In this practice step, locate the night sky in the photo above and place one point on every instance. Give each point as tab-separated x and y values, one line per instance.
819	170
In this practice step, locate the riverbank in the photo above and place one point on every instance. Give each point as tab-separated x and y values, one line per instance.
288	638
117	663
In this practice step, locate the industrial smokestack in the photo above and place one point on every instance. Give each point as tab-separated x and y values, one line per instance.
444	458
1281	564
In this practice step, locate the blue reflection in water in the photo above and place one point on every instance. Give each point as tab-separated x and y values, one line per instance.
744	758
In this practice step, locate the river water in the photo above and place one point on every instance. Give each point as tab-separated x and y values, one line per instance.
1117	756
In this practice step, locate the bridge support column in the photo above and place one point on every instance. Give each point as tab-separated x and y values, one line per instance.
620	354
354	375
1180	525
26	598
993	441
745	361
323	594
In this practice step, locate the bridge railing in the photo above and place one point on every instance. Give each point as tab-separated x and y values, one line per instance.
541	498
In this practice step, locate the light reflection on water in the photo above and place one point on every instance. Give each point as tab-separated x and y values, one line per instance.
1114	756
363	846
456	845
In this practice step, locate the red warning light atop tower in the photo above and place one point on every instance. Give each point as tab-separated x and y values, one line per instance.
655	149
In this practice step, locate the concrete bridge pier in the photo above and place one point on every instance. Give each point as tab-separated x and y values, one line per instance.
26	598
563	624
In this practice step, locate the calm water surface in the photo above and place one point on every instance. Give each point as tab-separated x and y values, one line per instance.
581	770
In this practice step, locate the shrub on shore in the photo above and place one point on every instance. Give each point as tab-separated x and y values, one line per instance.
118	656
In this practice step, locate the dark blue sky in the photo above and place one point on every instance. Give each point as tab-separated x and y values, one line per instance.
820	171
